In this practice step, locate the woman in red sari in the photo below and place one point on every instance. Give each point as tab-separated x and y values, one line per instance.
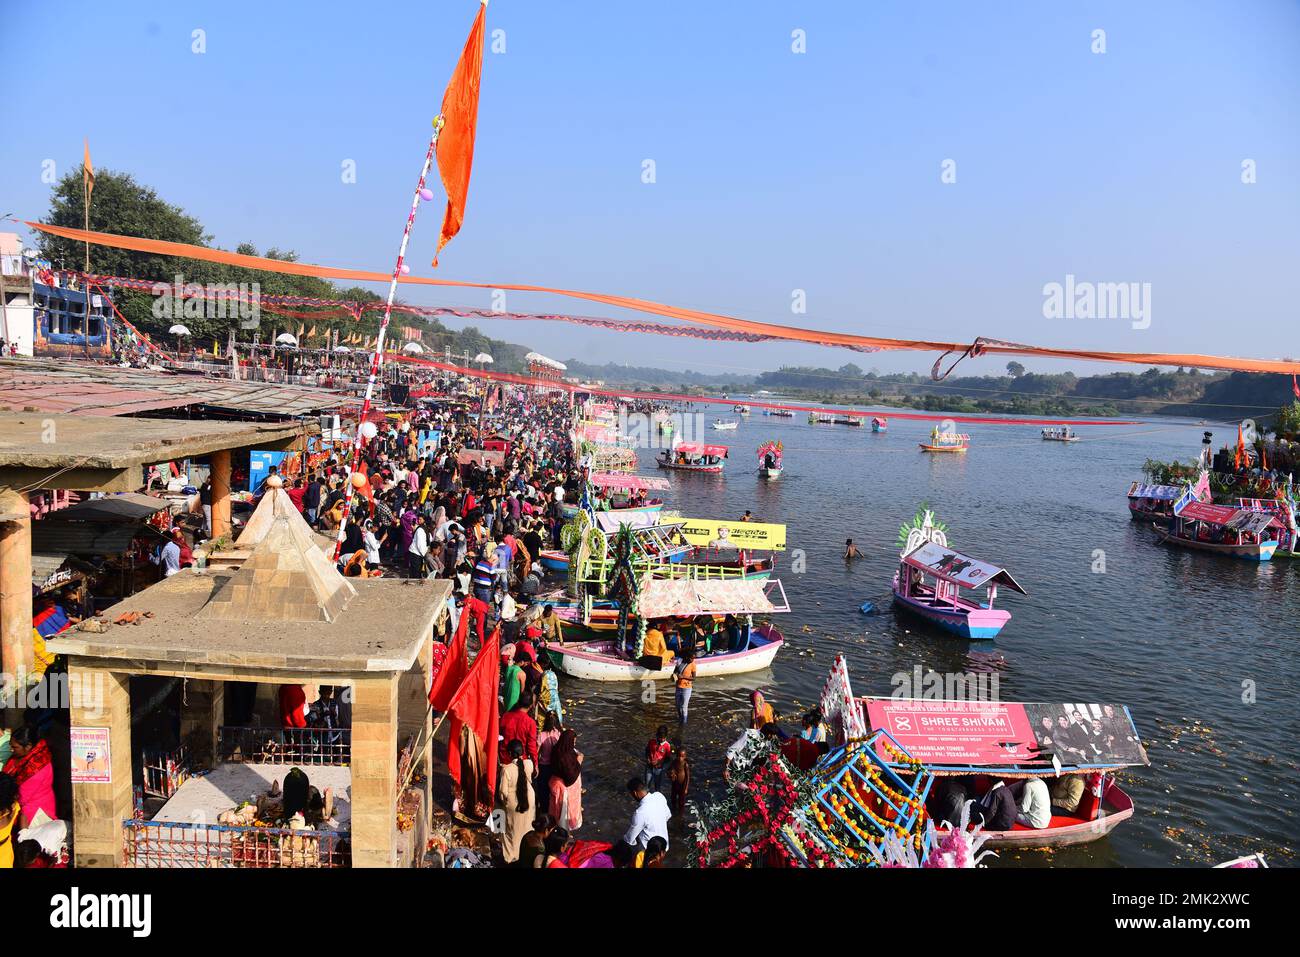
31	768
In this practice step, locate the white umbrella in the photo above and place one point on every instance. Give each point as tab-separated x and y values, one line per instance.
287	339
342	349
413	348
482	357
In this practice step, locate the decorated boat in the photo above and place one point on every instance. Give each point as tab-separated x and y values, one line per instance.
769	459
666	602
742	410
1222	530
972	744
779	413
725	425
622	493
946	442
1063	434
1284	508
693	457
1152	503
879	423
930	578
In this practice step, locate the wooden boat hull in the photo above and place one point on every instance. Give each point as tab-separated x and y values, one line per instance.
1117	807
967	620
769	474
554	560
879	428
943	448
1155	518
1259	552
1050	438
671	467
594	661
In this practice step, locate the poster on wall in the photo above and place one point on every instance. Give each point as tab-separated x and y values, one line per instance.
92	756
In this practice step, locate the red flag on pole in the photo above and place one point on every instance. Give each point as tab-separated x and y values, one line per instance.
1295	386
454	668
456	140
475	706
1241	443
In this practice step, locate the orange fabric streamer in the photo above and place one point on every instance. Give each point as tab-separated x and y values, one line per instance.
793	333
460	121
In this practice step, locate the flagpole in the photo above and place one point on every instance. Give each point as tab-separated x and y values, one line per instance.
85	208
376	358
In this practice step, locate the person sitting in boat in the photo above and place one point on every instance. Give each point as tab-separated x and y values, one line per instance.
947	797
769	461
733	636
654	645
1066	792
996	808
1034	805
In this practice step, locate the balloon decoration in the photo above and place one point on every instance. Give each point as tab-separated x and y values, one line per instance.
426	194
368	431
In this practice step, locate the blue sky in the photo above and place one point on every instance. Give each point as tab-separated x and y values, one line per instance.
775	171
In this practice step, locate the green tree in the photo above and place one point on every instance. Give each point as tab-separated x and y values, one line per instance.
1015	369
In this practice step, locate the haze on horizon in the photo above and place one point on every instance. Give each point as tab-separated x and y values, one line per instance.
775	170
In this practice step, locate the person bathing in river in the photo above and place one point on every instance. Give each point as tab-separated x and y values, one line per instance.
850	550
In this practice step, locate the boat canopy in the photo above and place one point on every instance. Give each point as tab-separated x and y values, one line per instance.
951	566
1006	738
696	448
684	597
1162	492
1207	512
634	483
611	521
1250	521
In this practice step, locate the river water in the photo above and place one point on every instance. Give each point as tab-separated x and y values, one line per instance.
1180	637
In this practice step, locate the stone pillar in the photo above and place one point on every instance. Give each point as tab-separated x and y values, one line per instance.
220	464
374	770
101	699
414	719
202	709
16	651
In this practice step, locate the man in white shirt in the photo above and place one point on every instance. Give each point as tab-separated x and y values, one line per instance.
650	819
1035	809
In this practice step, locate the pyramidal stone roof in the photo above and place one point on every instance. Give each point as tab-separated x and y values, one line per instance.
286	577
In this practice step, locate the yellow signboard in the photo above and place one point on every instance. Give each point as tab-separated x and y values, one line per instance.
711	533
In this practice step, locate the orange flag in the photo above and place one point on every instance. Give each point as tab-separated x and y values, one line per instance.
1241	442
460	119
88	173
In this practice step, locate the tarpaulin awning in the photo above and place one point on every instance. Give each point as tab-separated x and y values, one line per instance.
127	507
1162	492
695	448
634	483
959	569
683	597
964	735
1206	512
